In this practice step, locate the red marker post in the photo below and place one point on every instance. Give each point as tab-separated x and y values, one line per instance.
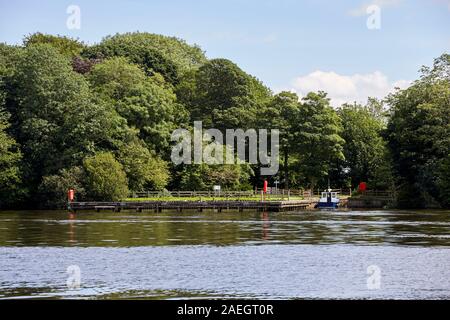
71	195
264	190
362	187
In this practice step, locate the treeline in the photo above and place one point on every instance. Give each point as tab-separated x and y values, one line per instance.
99	119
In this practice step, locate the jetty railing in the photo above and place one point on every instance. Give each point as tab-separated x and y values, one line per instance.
272	193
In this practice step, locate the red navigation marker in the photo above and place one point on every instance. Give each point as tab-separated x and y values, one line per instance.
362	187
71	195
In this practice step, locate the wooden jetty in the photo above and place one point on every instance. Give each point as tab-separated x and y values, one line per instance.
179	206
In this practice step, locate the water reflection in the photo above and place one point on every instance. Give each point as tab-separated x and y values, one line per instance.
187	255
50	228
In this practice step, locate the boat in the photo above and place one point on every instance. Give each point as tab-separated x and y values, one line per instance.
328	200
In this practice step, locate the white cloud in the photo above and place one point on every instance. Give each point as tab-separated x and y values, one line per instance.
362	9
346	88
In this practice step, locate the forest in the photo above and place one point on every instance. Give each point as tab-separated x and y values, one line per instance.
99	118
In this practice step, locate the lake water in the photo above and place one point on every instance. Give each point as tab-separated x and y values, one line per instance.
301	255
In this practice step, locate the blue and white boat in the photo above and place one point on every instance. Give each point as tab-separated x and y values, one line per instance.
328	200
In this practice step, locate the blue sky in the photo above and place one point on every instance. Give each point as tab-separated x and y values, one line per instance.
287	44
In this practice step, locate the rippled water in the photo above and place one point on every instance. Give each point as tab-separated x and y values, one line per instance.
308	254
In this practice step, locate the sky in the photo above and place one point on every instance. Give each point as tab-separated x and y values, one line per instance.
351	49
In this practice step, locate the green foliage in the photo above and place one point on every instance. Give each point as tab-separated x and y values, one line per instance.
65	45
10	156
364	149
168	56
105	177
443	181
224	96
53	189
204	177
144	170
281	113
99	119
318	139
419	134
145	102
55	113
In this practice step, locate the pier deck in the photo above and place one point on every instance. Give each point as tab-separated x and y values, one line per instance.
179	206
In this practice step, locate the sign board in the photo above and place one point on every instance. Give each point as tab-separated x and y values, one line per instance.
216	188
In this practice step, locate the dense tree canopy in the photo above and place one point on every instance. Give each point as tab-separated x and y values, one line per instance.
10	156
66	46
99	118
419	136
54	112
168	56
105	177
281	113
318	139
364	148
223	96
146	102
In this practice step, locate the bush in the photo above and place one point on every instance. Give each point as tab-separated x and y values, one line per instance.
106	180
53	189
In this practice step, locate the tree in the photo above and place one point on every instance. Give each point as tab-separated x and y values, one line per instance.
54	110
418	136
53	189
10	157
234	176
443	181
364	148
281	113
318	142
66	46
169	56
145	102
144	170
224	96
55	118
106	180
204	177
10	154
